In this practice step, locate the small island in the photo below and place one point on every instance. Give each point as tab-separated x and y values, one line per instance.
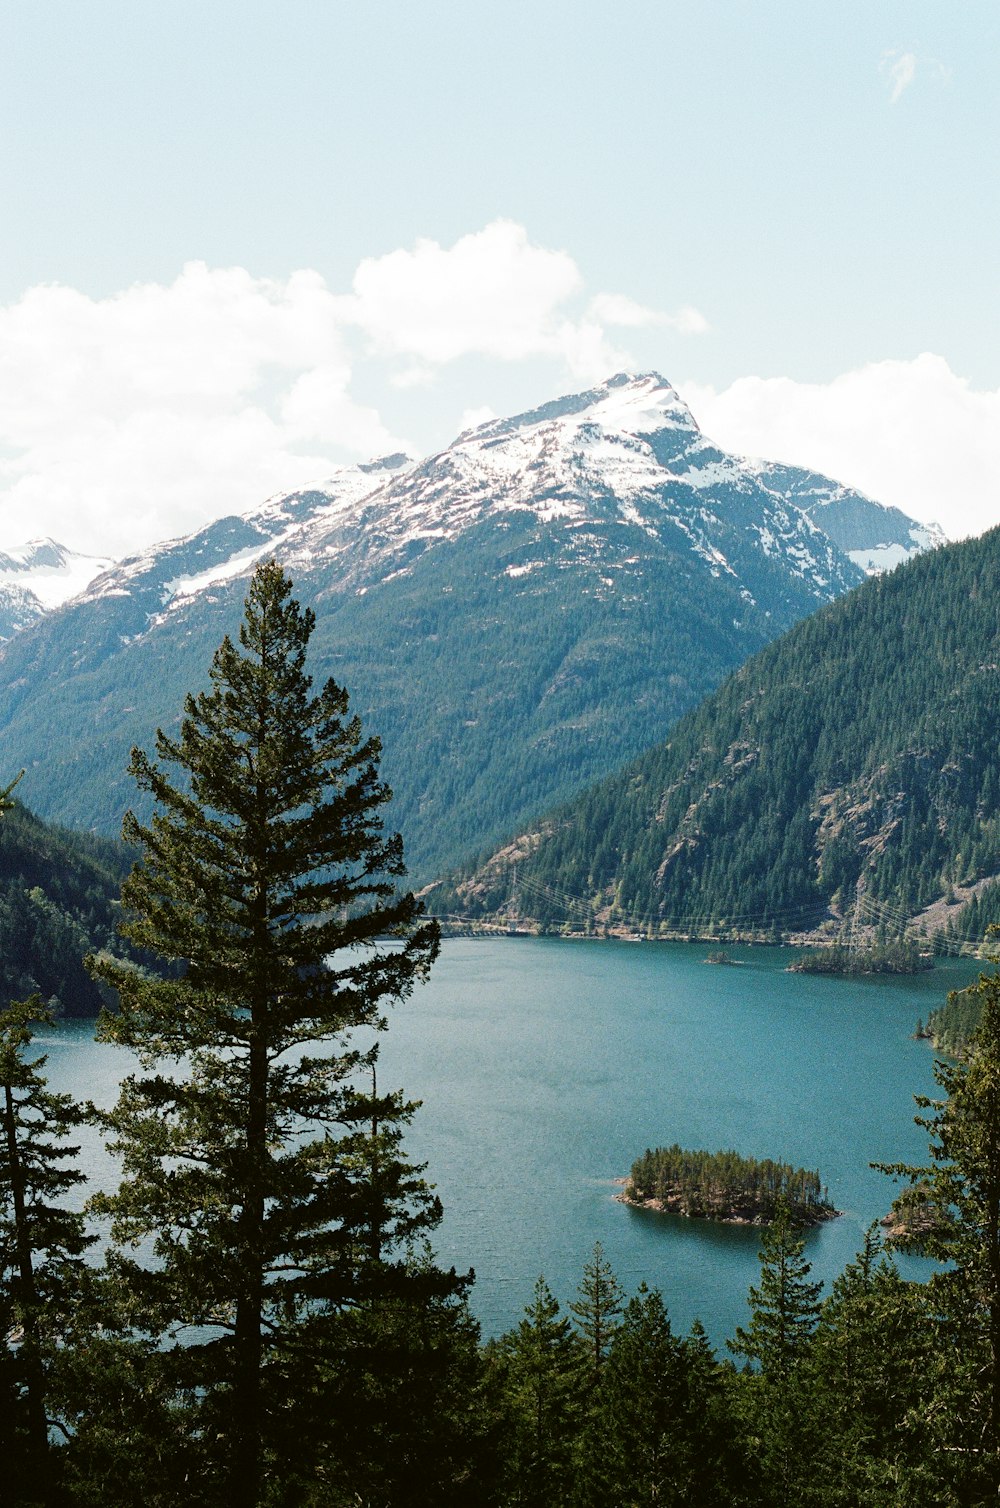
916	1216
897	956
724	1186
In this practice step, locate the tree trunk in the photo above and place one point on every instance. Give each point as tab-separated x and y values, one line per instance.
245	1474
38	1428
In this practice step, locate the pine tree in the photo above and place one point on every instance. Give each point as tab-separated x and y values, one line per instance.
41	1246
874	1370
786	1305
777	1402
961	1190
538	1370
630	1454
597	1307
5	801
266	1177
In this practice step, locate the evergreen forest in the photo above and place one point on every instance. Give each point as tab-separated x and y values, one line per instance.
58	901
848	774
255	1316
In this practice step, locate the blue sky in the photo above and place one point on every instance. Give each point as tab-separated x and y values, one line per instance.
403	217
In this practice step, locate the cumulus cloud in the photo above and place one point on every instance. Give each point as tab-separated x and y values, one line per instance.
136	417
901	69
494	294
142	415
616	309
910	433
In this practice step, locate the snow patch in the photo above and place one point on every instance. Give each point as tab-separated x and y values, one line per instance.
237	565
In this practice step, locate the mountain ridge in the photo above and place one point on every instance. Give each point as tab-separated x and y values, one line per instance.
515	615
846	773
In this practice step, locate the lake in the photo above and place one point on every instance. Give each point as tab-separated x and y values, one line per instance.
546	1066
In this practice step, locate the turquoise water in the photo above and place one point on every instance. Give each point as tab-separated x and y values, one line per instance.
545	1067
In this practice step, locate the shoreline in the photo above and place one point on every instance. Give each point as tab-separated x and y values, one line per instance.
794	941
673	1207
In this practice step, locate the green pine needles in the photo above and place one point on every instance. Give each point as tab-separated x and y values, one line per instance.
261	1165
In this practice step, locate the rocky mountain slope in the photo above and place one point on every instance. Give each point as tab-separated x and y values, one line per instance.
516	615
849	772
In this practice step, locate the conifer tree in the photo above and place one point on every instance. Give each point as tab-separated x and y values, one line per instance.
5	801
961	1190
660	1431
631	1448
539	1370
875	1371
597	1307
785	1308
264	1173
777	1402
41	1246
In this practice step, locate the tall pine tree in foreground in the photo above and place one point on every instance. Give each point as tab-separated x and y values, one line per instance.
260	1169
777	1402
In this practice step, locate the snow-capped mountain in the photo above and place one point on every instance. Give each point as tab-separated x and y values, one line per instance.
874	535
627	452
39	576
515	616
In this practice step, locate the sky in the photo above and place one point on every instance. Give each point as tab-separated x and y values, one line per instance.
247	243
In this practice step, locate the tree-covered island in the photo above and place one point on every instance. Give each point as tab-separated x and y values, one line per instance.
885	956
725	1186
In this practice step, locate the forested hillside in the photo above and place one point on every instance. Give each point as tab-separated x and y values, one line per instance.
851	768
58	901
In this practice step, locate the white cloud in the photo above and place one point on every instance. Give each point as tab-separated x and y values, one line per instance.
911	433
132	418
494	294
129	419
901	69
616	309
473	417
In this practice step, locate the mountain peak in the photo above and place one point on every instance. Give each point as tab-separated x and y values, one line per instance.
33	555
38	576
635	402
48	572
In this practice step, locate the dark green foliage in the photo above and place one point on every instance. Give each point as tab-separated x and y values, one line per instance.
400	1415
58	901
784	1309
963	1179
41	1252
875	1368
898	956
852	764
953	1026
724	1185
597	1307
539	1371
660	1430
775	1399
978	915
259	1158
